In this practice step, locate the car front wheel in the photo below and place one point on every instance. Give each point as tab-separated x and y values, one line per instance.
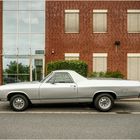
104	102
19	102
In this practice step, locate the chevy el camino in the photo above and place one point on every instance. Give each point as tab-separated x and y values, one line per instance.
66	86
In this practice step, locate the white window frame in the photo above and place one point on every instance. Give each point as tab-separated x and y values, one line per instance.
133	11
99	11
74	11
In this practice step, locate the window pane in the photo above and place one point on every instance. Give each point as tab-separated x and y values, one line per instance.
24	44
10	5
24	5
71	22
37	21
38	5
37	43
99	64
9	21
133	22
9	44
24	22
99	22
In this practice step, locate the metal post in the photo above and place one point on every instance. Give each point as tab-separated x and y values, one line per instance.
17	63
30	63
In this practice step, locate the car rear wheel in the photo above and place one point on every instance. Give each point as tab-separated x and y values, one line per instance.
19	102
104	102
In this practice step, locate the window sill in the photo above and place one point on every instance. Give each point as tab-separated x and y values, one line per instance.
133	32
100	32
71	32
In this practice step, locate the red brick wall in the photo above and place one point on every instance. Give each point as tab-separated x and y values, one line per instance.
1	15
86	42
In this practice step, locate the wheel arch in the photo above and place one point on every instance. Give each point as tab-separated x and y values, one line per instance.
112	93
11	94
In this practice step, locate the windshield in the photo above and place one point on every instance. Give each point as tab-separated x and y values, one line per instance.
45	78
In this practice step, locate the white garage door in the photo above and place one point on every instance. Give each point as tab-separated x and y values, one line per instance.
133	66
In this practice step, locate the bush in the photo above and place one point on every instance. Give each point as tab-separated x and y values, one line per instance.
115	74
76	65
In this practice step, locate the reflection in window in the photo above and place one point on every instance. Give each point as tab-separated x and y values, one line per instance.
37	42
9	43
37	22
10	5
23	32
23	22
9	21
24	44
24	26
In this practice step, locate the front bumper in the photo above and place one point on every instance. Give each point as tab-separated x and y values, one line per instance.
4	99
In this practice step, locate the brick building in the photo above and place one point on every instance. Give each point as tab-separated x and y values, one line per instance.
105	34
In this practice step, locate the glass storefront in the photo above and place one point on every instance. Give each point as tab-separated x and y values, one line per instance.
23	39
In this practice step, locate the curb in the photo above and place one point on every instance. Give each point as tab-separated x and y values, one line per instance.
130	100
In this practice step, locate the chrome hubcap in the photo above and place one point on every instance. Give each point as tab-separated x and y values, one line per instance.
18	103
104	102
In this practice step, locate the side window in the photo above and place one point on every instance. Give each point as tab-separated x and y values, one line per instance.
60	77
51	80
63	78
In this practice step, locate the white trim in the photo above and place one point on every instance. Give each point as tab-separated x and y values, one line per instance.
133	32
133	11
133	54
72	11
72	32
100	32
100	11
72	54
100	54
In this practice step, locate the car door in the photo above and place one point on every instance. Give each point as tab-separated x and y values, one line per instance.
59	88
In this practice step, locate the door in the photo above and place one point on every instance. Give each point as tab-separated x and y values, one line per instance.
59	88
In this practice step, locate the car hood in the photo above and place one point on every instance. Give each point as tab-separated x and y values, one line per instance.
20	85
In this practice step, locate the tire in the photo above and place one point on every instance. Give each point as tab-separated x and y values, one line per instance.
104	102
19	102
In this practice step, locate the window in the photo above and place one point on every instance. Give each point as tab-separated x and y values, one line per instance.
71	21
60	77
71	56
99	62
133	21
133	66
23	35
100	21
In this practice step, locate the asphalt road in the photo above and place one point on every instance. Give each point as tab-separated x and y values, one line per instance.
71	122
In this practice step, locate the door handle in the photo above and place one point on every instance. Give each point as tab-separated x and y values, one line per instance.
73	86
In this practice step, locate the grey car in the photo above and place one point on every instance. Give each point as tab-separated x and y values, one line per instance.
66	86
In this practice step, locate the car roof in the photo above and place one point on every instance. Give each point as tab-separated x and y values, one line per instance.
63	71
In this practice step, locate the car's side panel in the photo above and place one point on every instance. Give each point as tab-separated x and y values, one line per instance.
58	92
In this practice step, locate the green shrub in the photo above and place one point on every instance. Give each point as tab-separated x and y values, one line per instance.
108	74
76	65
